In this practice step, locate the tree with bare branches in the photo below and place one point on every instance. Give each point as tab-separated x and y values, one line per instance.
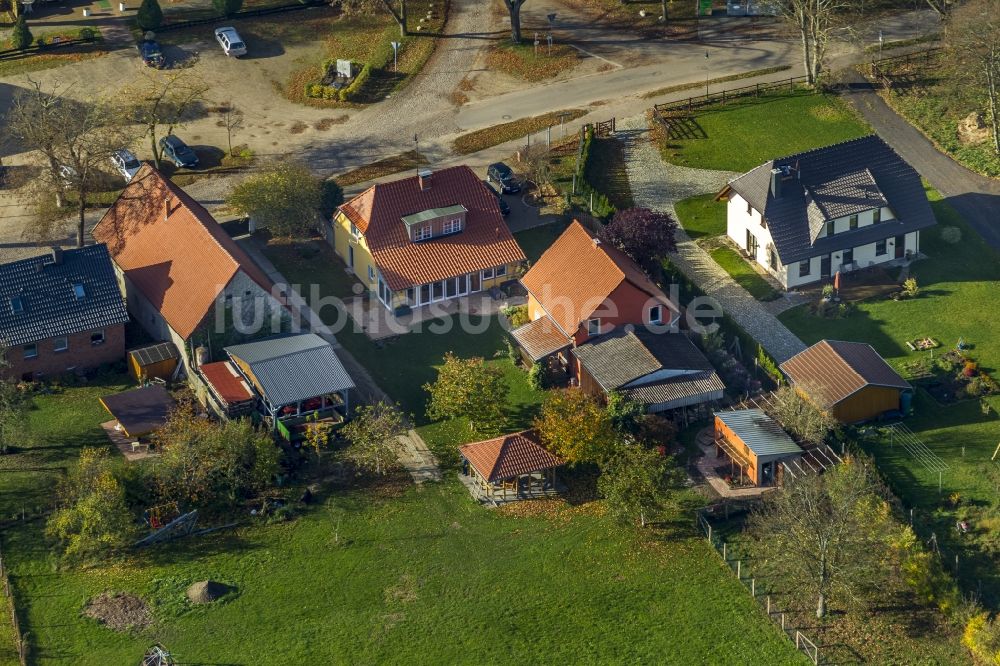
814	20
972	47
160	101
232	120
398	14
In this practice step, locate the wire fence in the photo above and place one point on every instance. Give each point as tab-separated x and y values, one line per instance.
760	593
19	641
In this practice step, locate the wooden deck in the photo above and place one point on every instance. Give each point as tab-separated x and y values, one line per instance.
499	498
125	444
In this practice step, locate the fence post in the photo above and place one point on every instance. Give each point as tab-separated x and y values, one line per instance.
723	95
709	524
782	621
724	552
738	567
753	588
769	605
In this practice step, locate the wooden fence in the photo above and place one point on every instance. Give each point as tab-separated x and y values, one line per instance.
250	13
18	637
779	617
884	71
688	105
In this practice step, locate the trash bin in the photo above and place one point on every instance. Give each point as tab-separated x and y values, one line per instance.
86	12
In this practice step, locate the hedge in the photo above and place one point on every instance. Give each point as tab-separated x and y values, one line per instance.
602	207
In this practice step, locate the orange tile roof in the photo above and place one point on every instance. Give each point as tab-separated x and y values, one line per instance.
486	242
180	260
832	370
509	456
227	382
578	273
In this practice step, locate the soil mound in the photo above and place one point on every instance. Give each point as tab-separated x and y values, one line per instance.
119	611
206	591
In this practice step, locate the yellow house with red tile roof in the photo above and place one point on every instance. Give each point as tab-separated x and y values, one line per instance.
427	238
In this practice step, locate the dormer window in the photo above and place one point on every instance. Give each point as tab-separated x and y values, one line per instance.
423	233
452	226
16	304
78	291
435	222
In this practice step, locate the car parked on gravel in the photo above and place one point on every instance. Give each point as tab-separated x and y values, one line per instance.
504	207
151	53
230	42
503	175
178	152
125	163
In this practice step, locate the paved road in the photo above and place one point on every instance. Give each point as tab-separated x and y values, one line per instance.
976	198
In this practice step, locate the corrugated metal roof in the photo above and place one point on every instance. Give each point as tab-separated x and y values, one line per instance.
38	298
759	432
432	214
294	367
832	370
681	391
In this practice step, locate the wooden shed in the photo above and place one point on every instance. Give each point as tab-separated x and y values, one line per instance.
755	444
153	361
848	380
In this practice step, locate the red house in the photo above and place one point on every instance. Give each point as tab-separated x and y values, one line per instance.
585	298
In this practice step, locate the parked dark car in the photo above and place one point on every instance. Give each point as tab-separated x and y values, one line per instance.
178	152
504	208
502	175
151	54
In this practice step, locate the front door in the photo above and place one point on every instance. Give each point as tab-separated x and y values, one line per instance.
824	267
900	246
350	256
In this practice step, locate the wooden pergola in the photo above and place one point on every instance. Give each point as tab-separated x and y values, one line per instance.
511	467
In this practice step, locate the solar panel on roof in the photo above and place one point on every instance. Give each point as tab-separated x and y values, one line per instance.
154	353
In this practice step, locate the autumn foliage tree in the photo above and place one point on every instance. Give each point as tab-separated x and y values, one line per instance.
972	49
374	436
575	426
92	517
469	388
639	484
283	197
645	235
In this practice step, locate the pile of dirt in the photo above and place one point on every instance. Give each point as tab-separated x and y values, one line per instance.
206	591
119	611
973	130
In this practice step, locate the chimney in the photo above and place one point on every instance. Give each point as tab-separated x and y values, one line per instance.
166	208
424	177
57	255
597	241
776	175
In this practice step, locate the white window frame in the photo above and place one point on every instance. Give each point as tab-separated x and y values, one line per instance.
594	326
423	232
500	271
808	264
355	232
30	350
885	247
487	274
658	319
453	226
371	273
97	338
64	347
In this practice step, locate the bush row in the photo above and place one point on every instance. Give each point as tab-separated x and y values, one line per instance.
602	207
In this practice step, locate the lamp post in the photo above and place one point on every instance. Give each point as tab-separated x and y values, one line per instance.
706	73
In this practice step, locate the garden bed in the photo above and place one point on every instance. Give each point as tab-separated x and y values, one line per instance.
952	377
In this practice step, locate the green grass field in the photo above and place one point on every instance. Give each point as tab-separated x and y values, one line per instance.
743	273
741	135
957	282
702	216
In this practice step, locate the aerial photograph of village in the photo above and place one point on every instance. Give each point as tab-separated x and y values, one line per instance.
499	332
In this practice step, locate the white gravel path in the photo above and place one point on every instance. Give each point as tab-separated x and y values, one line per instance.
657	185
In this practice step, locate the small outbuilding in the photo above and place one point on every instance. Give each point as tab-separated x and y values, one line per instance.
755	444
229	395
848	380
156	361
296	380
509	468
137	414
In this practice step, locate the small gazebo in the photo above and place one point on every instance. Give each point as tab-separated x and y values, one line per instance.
509	468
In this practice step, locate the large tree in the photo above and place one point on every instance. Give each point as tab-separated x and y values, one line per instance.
972	48
825	536
639	484
801	417
283	197
575	426
399	15
374	436
159	101
815	21
643	234
469	388
514	9
74	138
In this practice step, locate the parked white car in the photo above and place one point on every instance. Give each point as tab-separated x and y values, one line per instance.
230	42
125	163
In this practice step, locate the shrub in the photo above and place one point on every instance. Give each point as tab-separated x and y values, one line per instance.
149	16
952	235
513	355
351	92
827	291
969	369
517	315
910	288
536	376
227	7
21	37
332	195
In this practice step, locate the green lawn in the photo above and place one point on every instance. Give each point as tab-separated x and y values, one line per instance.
958	282
743	273
535	241
741	135
702	216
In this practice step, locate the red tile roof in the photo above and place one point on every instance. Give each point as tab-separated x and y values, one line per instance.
180	260
509	456
486	242
228	384
831	370
578	273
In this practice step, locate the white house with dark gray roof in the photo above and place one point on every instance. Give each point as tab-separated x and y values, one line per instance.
840	208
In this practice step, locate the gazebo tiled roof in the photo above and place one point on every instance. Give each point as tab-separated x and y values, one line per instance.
509	456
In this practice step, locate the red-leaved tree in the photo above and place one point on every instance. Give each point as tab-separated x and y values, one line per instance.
643	234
